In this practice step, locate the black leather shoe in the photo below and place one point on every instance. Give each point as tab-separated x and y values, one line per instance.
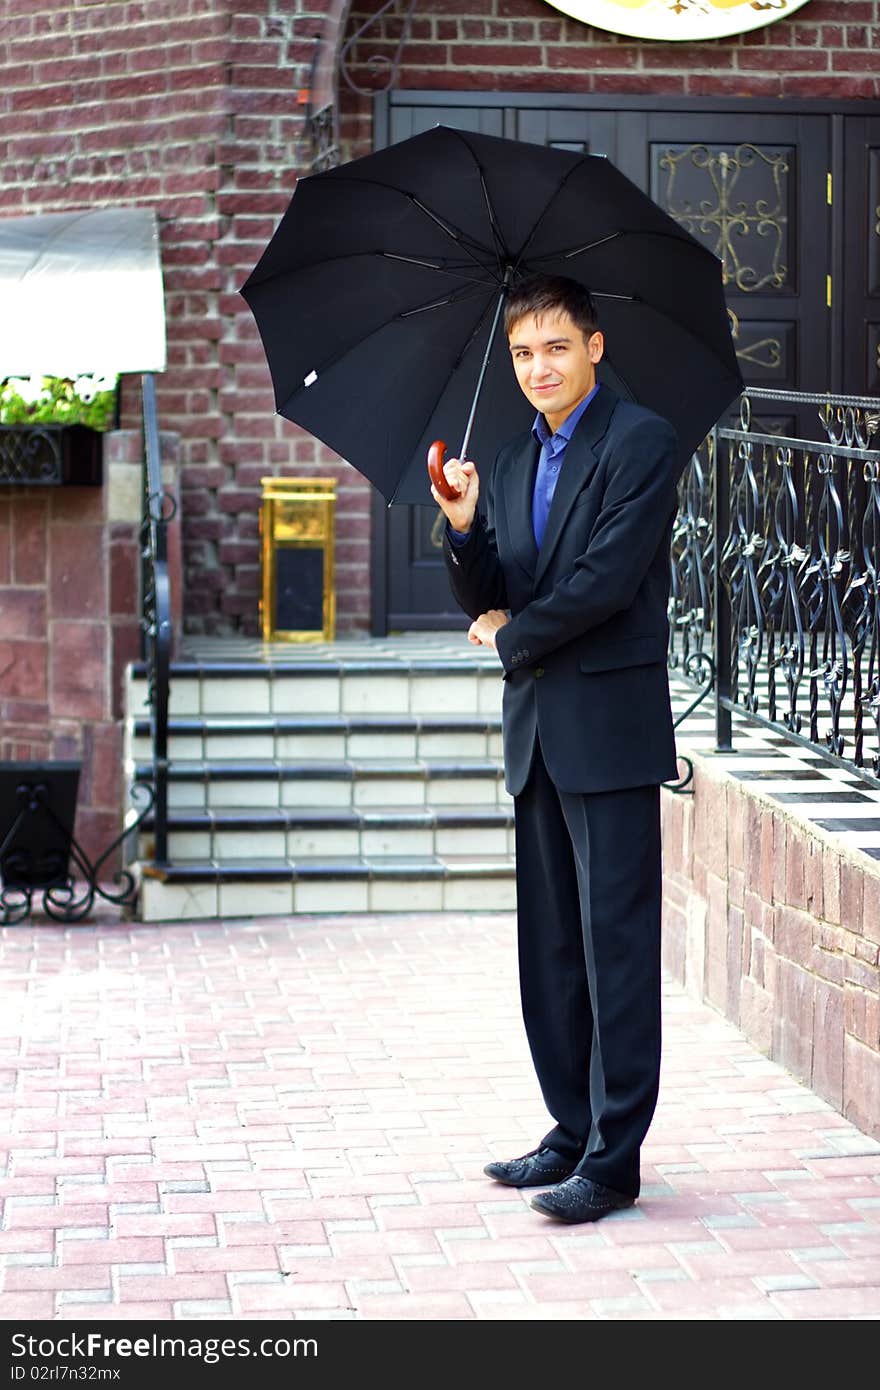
581	1199
540	1168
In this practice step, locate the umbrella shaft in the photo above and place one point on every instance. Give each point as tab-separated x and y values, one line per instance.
462	453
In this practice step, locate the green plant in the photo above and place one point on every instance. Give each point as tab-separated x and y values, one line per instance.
52	400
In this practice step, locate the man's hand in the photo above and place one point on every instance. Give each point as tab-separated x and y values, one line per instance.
482	630
462	474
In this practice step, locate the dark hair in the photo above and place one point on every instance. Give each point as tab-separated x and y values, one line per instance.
540	294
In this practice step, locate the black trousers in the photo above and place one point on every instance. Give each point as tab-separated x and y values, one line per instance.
588	914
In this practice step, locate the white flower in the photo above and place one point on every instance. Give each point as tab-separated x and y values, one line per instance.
30	389
85	388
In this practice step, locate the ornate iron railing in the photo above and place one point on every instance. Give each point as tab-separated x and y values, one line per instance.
49	455
776	573
30	456
42	862
158	509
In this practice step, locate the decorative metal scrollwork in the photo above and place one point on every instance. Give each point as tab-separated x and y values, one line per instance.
772	347
384	66
828	569
739	561
66	896
800	569
726	218
323	141
698	667
30	455
692	562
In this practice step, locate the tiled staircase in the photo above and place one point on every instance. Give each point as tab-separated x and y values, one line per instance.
359	776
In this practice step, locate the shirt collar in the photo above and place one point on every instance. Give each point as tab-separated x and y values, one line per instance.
541	430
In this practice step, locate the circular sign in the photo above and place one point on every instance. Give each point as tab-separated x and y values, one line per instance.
678	19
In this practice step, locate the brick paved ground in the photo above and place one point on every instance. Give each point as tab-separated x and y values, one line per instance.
280	1119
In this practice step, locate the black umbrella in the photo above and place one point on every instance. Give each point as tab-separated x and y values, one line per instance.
378	293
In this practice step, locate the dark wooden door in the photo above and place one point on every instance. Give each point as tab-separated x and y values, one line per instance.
753	188
859	292
752	185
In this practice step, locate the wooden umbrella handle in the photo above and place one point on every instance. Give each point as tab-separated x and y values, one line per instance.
436	458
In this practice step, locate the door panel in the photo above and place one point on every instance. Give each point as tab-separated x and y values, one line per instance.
584	132
860	299
413	120
753	189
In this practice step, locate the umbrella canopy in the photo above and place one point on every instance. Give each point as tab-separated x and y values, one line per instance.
375	298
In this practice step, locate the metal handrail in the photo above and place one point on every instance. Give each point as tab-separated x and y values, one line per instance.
776	574
157	511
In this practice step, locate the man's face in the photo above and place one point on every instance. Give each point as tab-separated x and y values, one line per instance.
554	364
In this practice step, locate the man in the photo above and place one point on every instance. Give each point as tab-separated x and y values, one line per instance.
565	573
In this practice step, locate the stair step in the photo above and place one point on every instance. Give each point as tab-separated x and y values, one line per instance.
421	685
355	777
231	726
327	737
332	885
296	833
273	782
336	818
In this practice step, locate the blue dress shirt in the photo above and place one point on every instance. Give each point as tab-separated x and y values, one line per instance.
550	460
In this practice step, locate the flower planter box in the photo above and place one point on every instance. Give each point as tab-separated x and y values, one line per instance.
50	456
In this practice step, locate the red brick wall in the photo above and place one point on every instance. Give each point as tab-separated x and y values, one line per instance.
823	50
778	926
190	106
69	624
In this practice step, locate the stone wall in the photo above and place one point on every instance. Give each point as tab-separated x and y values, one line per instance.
70	621
778	926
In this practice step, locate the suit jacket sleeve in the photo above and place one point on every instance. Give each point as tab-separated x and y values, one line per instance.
638	501
475	573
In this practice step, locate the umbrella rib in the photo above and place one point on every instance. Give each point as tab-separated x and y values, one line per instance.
546	208
423	308
682	238
501	247
677	235
450	231
448	228
484	314
590	246
316	374
687	240
442	268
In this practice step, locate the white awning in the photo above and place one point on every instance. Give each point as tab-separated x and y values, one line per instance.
81	292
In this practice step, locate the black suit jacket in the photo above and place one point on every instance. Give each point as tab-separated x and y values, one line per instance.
584	653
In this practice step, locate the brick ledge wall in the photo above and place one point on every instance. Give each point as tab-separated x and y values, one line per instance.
777	924
70	610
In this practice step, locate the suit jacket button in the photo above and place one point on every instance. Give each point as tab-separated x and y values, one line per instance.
539	671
